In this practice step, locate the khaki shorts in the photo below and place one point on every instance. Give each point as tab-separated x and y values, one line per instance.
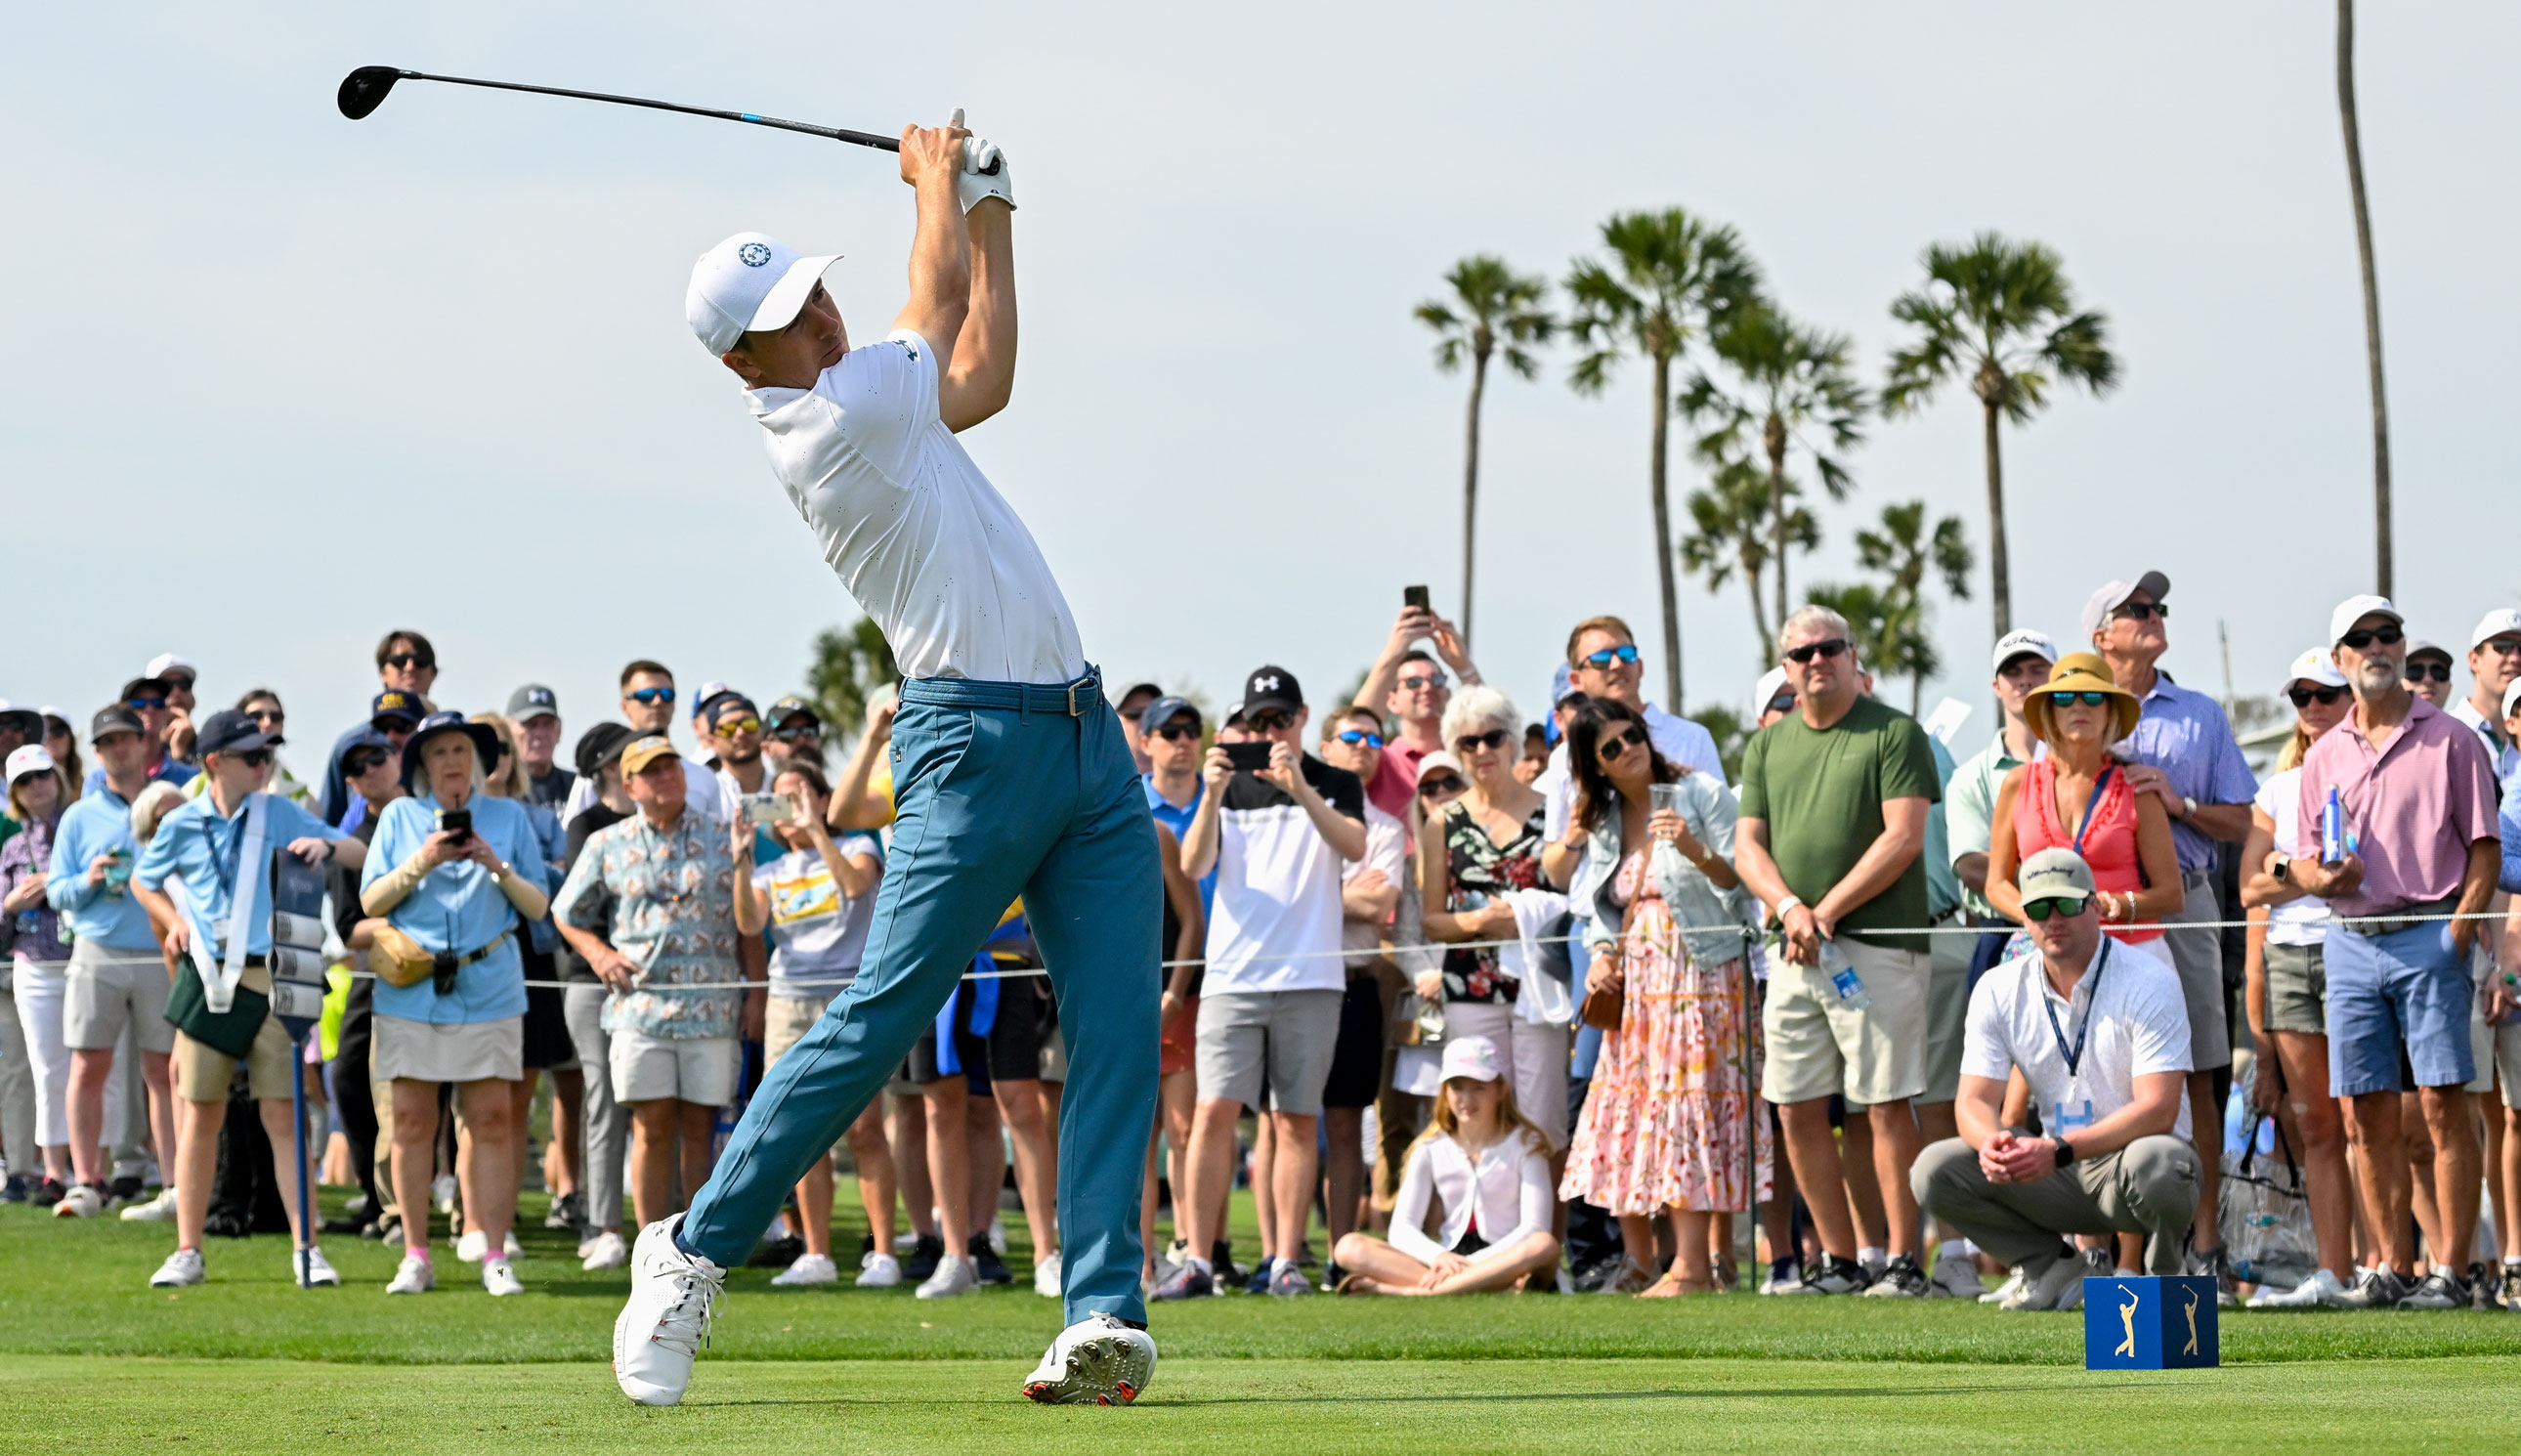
2196	951
104	991
2297	989
1817	1048
403	1050
1946	1013
1272	1044
785	1022
202	1073
700	1070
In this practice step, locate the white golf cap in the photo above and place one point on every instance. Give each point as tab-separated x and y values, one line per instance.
2417	644
1772	683
165	662
2354	609
1473	1057
2114	595
2512	697
2314	666
750	280
28	758
2023	640
2502	621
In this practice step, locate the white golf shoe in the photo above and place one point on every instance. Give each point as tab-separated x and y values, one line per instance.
878	1270
954	1275
182	1268
415	1275
158	1210
809	1268
320	1273
605	1250
673	1297
1045	1275
499	1277
1096	1361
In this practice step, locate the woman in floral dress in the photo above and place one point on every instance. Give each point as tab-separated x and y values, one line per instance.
1670	1121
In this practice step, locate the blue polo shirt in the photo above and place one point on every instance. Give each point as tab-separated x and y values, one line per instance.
457	907
1178	821
167	771
100	821
2185	735
204	846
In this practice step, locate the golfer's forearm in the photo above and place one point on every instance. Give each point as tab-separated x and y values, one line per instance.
941	269
983	377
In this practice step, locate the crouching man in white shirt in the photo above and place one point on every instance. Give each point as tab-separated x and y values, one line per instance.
2101	1036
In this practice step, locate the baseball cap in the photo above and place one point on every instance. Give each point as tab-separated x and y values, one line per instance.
1444	759
394	703
701	699
229	731
722	697
112	719
2422	645
1150	690
165	662
1271	687
140	685
2502	621
1473	1057
28	758
2114	595
790	706
532	700
2314	666
599	745
2512	697
1771	684
29	721
749	282
2022	641
1164	710
639	753
2059	871
2355	608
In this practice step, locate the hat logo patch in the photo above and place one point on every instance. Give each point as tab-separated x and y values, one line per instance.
1266	684
753	254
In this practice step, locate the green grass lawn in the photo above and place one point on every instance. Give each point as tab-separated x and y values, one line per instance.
247	1362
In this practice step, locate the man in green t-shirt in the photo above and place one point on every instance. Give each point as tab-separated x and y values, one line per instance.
1834	803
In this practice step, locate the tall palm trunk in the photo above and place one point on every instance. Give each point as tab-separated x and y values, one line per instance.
1471	486
1752	573
1663	533
1774	439
1999	566
2371	293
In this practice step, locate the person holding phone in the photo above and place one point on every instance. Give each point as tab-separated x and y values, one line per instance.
1413	685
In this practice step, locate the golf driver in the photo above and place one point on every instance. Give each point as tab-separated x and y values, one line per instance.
364	90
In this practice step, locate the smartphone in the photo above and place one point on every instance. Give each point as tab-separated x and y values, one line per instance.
768	809
1414	596
457	822
1247	758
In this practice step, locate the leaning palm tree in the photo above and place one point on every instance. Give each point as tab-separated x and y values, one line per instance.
1494	312
1663	280
1733	533
1790	384
851	665
2002	313
1903	549
2371	289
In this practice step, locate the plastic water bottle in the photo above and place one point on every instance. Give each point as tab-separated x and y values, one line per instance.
1834	964
2332	829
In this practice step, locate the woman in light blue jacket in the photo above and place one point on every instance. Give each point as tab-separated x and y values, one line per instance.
1671	1122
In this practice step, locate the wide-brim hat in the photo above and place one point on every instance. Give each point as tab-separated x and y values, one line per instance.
486	743
2083	672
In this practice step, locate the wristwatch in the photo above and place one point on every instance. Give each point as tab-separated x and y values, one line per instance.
2065	1151
2282	873
2188	807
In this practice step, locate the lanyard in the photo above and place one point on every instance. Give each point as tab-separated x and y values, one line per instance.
2074	1055
2100	785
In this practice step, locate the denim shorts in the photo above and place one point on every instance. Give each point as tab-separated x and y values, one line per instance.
2404	990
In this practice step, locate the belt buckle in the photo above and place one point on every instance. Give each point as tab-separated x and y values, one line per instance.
1074	710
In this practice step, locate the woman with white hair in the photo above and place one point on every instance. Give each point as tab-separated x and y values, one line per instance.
1476	850
454	872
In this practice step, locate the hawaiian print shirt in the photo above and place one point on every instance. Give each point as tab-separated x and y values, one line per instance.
670	898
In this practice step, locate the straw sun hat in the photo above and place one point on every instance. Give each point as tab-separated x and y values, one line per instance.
2083	672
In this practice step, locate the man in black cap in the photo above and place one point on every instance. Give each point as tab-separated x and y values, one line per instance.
792	732
536	710
145	697
731	724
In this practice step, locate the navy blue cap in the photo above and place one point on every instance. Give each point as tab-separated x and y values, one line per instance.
1164	710
229	731
394	703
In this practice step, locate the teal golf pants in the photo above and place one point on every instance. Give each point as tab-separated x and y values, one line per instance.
999	790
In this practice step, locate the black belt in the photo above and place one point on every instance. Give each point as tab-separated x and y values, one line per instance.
2406	918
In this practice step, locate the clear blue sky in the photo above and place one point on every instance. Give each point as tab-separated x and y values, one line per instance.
275	382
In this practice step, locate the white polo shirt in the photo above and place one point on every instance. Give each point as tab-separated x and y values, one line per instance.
2138	1021
913	529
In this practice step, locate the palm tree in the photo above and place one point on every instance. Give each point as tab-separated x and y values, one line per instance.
1903	549
1663	279
850	666
1733	535
1791	384
2371	289
1493	307
2003	313
1871	625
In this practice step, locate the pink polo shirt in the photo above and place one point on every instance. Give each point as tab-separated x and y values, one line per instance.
2415	804
1393	787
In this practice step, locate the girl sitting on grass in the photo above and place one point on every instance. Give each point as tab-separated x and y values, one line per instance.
1489	1166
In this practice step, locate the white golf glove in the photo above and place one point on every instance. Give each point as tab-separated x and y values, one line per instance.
979	180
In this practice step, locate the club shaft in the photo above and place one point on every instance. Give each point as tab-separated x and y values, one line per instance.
836	133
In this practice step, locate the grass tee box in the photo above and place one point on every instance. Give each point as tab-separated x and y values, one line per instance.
2149	1323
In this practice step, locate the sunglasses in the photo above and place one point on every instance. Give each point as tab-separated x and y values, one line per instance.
1494	738
145	705
652	695
1430	788
1782	702
255	757
795	735
1178	732
1424	683
740	725
410	660
1610	748
2088	698
1600	661
1811	649
176	680
1354	735
2141	611
2068	906
363	765
267	715
2304	696
2509	647
2361	637
1271	721
2419	672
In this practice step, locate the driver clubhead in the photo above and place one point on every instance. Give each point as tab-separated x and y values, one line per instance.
364	90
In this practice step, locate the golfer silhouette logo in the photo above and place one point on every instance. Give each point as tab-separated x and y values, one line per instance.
753	254
2127	1322
2191	1312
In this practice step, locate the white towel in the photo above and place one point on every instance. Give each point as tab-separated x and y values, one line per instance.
1543	1000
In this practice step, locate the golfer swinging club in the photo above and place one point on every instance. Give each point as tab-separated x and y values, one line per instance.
1011	776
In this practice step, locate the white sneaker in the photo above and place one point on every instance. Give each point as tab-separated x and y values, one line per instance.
589	1238
1957	1278
1096	1361
511	1249
2061	1282
2321	1288
605	1250
499	1277
155	1210
415	1276
2005	1291
81	1201
442	1189
954	1275
809	1268
319	1270
878	1270
1045	1275
182	1268
673	1297
472	1246
998	1237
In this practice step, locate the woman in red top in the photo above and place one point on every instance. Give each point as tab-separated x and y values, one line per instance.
2075	797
